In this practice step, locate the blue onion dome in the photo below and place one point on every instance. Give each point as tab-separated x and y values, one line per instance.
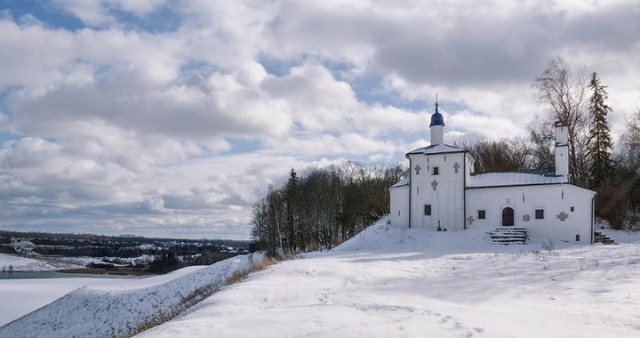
436	118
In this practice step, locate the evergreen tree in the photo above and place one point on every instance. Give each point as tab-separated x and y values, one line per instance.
601	169
292	201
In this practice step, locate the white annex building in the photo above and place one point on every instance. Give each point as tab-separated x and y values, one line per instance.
442	192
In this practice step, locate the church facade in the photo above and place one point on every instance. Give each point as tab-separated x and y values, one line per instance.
442	193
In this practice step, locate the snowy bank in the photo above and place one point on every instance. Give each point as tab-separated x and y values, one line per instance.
125	307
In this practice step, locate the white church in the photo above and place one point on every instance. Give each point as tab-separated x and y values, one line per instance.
442	193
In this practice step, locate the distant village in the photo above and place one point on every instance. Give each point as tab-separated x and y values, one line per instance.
125	254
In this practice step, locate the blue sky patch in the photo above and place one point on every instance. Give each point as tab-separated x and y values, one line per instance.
164	20
48	14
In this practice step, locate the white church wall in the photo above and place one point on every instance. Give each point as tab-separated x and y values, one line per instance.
437	190
399	206
566	210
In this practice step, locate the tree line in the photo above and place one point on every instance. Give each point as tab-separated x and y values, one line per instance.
322	208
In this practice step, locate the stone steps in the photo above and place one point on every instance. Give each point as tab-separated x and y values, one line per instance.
599	237
509	235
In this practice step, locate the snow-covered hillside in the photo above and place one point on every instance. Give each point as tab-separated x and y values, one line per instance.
385	282
389	282
122	307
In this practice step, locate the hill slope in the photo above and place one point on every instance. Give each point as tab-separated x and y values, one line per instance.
389	282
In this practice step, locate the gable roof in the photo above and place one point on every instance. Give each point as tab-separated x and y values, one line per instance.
437	149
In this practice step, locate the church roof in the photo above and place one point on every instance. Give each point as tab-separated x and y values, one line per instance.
512	179
401	183
436	118
437	149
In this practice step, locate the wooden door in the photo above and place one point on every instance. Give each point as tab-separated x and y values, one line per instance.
507	217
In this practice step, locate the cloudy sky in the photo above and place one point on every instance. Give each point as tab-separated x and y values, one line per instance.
171	118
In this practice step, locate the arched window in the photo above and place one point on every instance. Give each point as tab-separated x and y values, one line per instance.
507	217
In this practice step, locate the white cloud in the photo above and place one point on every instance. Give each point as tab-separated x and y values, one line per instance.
314	98
486	126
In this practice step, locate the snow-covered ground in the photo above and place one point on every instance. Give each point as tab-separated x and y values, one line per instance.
47	263
385	282
389	282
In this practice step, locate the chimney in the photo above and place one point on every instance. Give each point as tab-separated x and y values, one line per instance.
562	149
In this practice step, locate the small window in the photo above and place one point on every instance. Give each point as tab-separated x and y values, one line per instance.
482	214
539	213
427	209
435	171
572	209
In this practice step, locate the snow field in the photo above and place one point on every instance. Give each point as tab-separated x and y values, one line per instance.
16	263
389	282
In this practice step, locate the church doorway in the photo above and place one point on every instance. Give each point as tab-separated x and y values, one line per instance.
507	217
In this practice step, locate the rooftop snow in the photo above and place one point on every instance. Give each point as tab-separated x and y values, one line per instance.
437	149
401	183
512	178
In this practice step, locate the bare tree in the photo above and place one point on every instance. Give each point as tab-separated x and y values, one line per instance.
542	144
629	155
564	97
503	155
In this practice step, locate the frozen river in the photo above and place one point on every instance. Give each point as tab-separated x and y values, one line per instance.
23	292
49	274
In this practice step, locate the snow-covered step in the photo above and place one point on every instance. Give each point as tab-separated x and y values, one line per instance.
509	235
599	237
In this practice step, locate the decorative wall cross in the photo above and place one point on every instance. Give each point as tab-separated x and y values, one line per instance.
418	167
456	167
562	216
470	219
434	184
